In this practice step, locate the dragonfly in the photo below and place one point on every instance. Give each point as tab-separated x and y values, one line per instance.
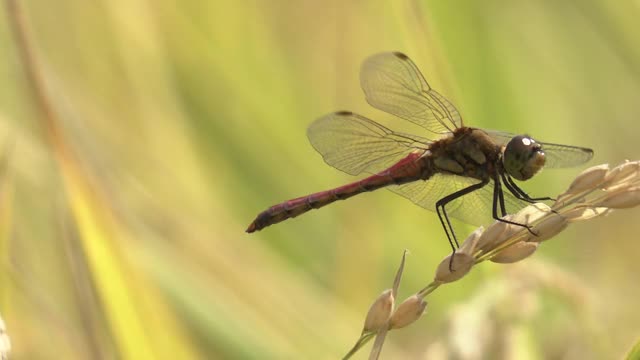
457	171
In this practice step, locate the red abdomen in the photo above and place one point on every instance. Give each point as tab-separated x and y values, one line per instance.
406	170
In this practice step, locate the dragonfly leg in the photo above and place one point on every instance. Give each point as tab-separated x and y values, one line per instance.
498	198
503	208
442	215
519	193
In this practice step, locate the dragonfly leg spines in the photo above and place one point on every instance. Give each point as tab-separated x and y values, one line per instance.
442	213
498	200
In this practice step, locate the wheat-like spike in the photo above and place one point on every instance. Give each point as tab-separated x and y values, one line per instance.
595	192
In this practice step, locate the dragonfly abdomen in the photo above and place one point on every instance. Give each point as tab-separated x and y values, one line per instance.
406	170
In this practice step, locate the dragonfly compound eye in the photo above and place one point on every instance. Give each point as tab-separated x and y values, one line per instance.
523	157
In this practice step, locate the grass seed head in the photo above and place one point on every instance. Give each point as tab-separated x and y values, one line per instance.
409	311
515	252
379	312
589	179
622	199
531	213
622	175
548	228
462	263
470	244
585	213
492	236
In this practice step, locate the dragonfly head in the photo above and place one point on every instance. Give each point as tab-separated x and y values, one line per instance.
523	157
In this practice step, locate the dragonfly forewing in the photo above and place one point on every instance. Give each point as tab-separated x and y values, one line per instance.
393	83
564	156
354	144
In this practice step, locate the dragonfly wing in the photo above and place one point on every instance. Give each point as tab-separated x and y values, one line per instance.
354	144
563	156
500	137
556	155
475	208
393	83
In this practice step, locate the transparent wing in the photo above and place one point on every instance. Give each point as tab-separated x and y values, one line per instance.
556	155
563	156
475	208
500	137
354	144
393	83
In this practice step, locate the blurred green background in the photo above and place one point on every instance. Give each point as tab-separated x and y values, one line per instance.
184	119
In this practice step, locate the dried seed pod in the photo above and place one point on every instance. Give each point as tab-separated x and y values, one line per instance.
623	199
379	312
449	270
548	228
589	179
470	243
493	236
515	252
531	213
585	213
526	216
622	175
409	311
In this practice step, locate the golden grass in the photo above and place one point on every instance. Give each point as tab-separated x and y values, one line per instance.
177	121
138	320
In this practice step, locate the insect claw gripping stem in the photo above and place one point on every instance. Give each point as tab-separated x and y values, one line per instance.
440	204
530	229
520	194
451	261
498	198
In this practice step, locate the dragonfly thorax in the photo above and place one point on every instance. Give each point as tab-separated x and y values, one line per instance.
523	157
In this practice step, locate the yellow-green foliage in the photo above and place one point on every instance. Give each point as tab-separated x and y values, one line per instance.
122	215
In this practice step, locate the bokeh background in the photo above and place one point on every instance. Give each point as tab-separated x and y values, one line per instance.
122	230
